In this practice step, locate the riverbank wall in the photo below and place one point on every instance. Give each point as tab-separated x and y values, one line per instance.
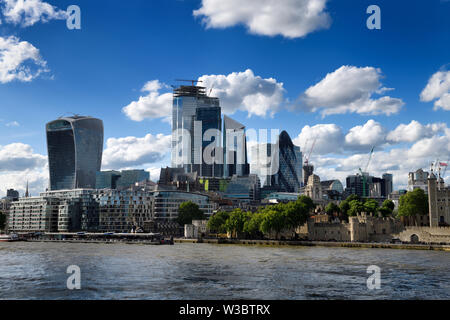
319	244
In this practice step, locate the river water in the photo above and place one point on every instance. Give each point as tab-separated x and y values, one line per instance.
33	270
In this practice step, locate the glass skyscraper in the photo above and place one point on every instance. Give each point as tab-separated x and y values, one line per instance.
235	148
193	114
288	178
74	146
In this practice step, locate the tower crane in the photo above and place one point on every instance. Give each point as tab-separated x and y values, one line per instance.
366	194
310	151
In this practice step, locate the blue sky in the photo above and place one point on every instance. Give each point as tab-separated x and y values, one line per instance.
121	46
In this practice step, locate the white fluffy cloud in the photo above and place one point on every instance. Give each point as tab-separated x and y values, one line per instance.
399	161
370	134
28	12
237	91
414	131
438	89
19	60
154	105
350	89
132	151
247	92
19	164
329	139
18	157
37	181
288	18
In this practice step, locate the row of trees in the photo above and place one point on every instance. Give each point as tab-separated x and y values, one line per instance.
354	205
290	215
268	219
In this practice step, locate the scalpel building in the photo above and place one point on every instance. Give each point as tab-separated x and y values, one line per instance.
74	147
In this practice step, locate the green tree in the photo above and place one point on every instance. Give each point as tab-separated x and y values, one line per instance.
356	207
389	204
384	211
345	205
189	211
332	208
296	213
235	223
217	221
273	220
253	225
371	206
308	202
413	203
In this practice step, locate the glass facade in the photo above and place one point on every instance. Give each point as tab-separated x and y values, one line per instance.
288	177
235	148
74	146
192	108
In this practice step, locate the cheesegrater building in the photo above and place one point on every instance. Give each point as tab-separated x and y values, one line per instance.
74	146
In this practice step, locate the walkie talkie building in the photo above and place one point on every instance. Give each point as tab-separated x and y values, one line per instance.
74	146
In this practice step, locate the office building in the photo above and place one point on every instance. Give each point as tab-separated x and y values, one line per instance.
55	211
244	188
235	148
332	189
193	114
74	146
418	179
122	211
287	178
106	179
166	203
366	185
120	179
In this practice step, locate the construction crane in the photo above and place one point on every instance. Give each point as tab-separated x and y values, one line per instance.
192	81
363	176
310	151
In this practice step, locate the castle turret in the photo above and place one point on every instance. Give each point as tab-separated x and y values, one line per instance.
432	200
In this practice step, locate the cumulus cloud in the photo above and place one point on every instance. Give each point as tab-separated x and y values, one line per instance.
329	139
370	134
28	12
154	105
132	151
247	92
396	160
289	18
438	89
19	164
237	91
350	89
19	156
37	181
19	60
414	131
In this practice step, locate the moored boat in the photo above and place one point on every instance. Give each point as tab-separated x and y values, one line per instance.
9	237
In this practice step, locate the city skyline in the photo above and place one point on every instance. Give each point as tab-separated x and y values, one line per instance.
395	97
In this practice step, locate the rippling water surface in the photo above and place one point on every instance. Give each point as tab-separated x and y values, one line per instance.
204	271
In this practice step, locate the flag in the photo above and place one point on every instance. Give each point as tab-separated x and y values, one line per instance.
442	164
